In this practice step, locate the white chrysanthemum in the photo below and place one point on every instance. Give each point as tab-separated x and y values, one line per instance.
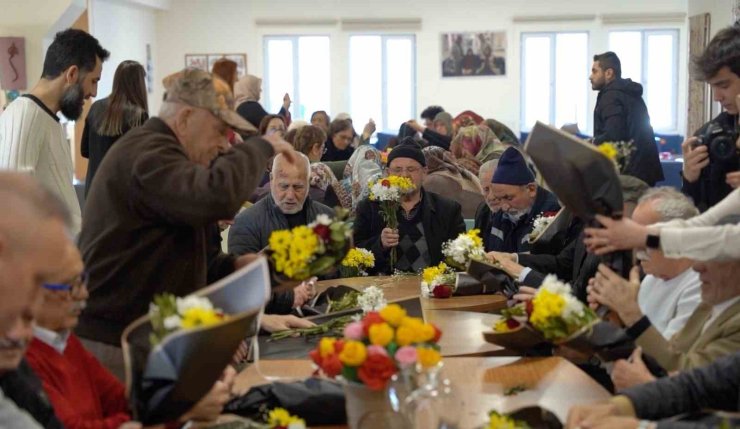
573	307
426	290
539	225
172	322
372	299
553	285
323	219
191	301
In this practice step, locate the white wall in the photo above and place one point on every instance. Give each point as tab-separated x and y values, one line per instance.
199	26
124	28
720	11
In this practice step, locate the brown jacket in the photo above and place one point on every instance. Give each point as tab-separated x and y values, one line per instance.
146	220
689	347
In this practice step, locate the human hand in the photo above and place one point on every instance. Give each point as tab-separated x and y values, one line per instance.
510	267
415	125
304	292
581	414
628	373
277	322
279	145
131	425
694	159
368	130
500	256
286	101
621	234
525	293
619	294
389	238
733	179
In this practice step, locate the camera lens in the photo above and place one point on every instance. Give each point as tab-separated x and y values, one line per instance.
723	148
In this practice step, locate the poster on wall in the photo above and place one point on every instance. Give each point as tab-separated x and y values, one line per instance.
474	54
13	63
205	61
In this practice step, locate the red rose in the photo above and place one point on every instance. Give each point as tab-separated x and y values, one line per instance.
371	319
386	183
331	366
442	291
512	324
376	371
437	334
322	231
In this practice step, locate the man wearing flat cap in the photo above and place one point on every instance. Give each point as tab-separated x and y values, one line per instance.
514	188
425	220
154	197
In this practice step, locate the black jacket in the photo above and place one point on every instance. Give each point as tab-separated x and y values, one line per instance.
434	138
253	112
24	388
506	236
621	115
711	187
442	220
333	153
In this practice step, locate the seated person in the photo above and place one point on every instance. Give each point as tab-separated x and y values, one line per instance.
310	141
573	264
671	290
476	143
17	381
521	200
446	178
85	394
503	132
425	219
489	205
438	132
712	330
713	387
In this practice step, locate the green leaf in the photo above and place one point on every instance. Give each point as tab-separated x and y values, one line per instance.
322	264
349	373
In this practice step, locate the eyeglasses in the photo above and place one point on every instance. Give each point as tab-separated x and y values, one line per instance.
409	170
73	286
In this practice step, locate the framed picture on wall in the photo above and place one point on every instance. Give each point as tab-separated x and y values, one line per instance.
474	54
198	61
241	63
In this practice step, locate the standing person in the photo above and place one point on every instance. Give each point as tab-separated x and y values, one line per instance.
226	70
247	93
31	137
114	116
621	115
159	190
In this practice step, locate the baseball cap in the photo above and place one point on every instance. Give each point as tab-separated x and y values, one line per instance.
198	88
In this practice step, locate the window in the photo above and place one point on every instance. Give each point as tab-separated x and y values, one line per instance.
651	58
382	77
555	69
298	65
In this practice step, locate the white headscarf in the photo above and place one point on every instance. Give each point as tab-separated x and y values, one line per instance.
248	88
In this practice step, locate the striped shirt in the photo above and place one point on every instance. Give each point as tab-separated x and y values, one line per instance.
32	140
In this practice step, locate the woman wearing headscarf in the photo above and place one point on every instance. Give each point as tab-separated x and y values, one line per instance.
503	132
476	144
247	92
445	177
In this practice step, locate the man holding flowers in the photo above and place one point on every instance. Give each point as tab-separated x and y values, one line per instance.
424	220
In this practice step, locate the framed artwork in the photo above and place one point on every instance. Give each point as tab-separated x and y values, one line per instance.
205	61
197	61
474	54
241	63
13	63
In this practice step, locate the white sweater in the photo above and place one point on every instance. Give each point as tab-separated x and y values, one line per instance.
32	140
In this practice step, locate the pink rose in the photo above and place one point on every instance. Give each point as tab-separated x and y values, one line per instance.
376	350
353	331
406	355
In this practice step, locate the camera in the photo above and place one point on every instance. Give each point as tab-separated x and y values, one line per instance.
720	142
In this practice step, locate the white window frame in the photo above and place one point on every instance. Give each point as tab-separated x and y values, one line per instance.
296	96
384	74
644	55
553	77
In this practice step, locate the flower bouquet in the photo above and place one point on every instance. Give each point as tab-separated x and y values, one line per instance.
497	420
539	225
387	191
618	152
310	250
438	281
357	262
169	314
467	246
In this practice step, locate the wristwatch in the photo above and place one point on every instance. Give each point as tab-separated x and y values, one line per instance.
652	241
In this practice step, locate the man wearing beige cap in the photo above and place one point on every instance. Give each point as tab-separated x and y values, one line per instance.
154	196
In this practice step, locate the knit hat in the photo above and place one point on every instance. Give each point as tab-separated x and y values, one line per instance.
408	148
512	169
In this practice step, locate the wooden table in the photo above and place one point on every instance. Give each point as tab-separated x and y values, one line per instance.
552	383
462	333
400	287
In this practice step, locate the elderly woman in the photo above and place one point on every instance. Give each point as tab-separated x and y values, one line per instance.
310	140
339	144
445	177
475	144
247	93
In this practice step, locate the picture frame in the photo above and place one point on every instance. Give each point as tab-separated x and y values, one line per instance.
468	54
205	61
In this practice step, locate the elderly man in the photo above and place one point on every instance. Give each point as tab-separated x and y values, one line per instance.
521	200
490	205
287	206
154	197
425	219
31	137
84	394
34	230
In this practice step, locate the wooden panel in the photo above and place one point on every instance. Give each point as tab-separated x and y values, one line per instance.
698	105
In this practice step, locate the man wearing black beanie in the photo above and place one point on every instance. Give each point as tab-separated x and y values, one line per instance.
425	219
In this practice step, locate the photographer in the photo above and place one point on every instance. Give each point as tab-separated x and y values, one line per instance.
710	169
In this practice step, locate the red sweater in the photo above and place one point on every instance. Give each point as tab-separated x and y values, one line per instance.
85	395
